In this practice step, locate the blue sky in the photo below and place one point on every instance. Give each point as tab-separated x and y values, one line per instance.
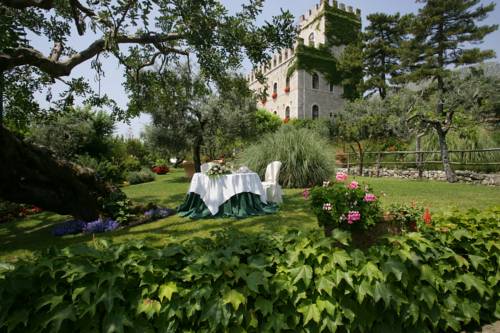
112	83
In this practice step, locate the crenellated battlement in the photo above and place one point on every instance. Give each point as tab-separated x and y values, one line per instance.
311	15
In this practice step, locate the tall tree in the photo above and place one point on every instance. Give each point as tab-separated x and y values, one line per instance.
444	32
155	31
383	39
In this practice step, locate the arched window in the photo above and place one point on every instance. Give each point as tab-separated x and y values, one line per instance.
315	112
280	59
311	39
287	82
287	112
315	81
286	54
331	87
275	88
274	62
275	112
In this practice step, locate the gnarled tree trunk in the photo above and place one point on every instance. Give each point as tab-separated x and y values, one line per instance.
32	175
445	157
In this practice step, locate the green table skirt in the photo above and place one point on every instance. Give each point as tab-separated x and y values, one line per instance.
240	206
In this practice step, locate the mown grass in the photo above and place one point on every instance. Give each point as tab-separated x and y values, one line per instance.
22	237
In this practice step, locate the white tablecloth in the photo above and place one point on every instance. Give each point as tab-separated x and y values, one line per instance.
214	191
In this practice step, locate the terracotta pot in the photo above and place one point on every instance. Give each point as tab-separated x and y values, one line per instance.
188	168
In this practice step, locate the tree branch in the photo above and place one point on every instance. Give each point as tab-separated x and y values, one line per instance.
28	56
22	4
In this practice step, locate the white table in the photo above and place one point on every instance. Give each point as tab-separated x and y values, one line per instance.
214	191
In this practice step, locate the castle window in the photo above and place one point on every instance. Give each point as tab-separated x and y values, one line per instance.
287	112
315	112
315	81
311	39
331	87
280	59
274	62
275	112
275	88
287	82
286	54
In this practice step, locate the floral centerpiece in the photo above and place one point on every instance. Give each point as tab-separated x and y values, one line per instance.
217	170
344	204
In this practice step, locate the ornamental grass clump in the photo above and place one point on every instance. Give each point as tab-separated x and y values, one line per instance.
305	162
345	205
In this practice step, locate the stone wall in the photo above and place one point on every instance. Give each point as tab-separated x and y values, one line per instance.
464	176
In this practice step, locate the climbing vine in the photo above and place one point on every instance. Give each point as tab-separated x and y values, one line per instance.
341	28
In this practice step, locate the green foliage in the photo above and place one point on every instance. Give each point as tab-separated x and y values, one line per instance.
341	28
433	281
333	202
118	207
139	177
105	170
323	127
302	152
405	216
266	122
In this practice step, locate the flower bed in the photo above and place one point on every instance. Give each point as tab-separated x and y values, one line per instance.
160	169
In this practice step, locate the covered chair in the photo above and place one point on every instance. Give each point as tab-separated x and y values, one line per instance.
270	183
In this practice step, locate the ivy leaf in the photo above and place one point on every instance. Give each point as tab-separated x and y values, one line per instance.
235	298
395	267
325	284
429	275
149	307
341	236
53	300
471	281
341	257
167	290
326	305
364	288
476	260
341	275
255	279
470	310
428	295
303	273
115	321
371	271
309	312
20	316
382	291
264	306
56	319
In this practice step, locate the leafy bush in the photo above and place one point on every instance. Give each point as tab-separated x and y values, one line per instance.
104	169
302	152
405	217
142	176
445	278
345	206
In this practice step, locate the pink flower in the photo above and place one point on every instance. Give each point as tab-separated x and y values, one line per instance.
306	193
341	176
353	216
353	185
327	206
370	197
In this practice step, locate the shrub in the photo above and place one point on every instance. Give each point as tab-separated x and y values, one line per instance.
302	152
104	169
344	205
160	169
442	279
139	177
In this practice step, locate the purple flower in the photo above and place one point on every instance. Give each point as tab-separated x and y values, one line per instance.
158	213
100	226
306	193
68	228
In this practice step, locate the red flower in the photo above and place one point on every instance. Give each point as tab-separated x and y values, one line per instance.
427	216
286	120
160	169
287	90
263	101
275	95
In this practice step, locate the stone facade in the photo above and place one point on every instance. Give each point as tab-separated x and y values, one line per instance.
295	95
464	176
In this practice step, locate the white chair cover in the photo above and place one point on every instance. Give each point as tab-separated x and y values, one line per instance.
270	183
205	167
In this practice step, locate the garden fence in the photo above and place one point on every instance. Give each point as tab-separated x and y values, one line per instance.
486	160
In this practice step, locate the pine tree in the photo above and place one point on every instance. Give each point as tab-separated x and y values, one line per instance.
383	38
444	32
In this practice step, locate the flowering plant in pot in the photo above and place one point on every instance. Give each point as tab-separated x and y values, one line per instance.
287	90
344	204
275	95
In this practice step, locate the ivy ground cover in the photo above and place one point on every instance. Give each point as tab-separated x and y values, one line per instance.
445	278
22	237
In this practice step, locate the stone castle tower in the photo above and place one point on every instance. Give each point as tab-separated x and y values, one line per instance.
304	82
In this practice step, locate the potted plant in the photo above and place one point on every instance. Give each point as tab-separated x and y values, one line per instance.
275	95
287	90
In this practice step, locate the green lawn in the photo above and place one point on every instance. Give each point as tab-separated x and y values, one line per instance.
21	238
